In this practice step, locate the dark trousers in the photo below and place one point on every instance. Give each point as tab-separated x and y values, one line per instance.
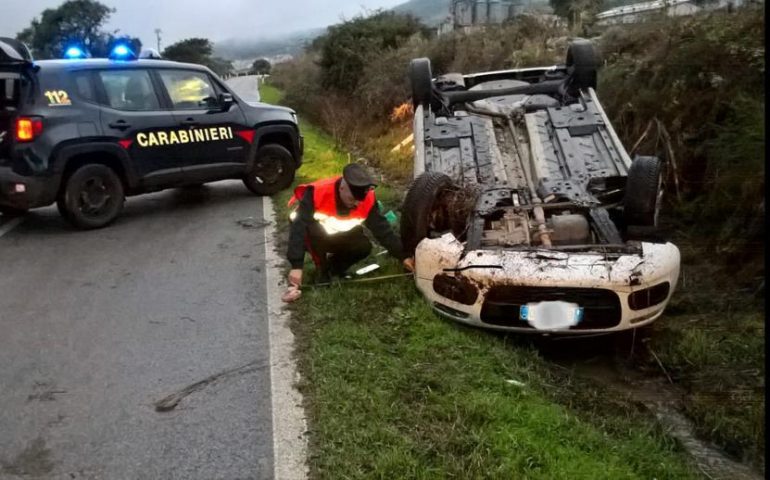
334	254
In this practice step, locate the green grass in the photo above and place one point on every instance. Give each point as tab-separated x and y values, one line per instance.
713	344
395	392
270	94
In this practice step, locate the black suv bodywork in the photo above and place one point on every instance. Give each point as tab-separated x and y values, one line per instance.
133	120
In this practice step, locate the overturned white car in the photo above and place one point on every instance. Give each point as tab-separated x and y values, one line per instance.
526	213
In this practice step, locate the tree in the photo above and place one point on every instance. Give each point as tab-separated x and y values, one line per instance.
346	48
220	66
198	50
75	22
190	50
261	66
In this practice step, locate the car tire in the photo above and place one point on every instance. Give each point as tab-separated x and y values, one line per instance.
92	197
582	64
272	171
419	213
421	79
644	193
12	212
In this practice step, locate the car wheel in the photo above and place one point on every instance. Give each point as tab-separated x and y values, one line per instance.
421	78
582	63
92	197
272	171
12	212
644	192
424	211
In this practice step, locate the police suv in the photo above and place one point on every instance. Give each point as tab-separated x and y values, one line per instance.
86	133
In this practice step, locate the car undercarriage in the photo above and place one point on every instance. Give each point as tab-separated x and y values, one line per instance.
526	212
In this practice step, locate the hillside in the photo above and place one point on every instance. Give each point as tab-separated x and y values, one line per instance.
251	48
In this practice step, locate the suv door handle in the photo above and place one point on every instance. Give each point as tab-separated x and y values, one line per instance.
189	122
120	125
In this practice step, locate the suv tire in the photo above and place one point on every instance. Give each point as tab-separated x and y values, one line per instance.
92	197
420	214
421	78
582	63
272	171
644	192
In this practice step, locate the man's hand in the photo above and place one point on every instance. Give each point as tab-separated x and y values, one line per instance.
295	281
409	264
295	277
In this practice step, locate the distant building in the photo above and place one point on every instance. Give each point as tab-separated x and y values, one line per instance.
673	8
467	15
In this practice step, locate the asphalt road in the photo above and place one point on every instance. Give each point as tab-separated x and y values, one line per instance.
245	87
97	326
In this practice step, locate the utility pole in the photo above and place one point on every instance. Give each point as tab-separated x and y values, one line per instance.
157	35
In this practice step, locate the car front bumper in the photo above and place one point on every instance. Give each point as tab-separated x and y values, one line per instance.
486	288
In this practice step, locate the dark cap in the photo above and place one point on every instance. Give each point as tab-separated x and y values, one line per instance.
358	179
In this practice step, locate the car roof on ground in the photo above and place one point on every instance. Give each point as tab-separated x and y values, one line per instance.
77	64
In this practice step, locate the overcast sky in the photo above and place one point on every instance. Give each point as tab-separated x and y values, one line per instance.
213	19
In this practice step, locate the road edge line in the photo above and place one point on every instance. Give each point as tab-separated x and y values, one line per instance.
288	415
10	225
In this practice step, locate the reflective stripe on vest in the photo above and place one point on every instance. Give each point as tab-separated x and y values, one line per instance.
325	206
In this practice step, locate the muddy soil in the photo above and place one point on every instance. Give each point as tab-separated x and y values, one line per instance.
608	361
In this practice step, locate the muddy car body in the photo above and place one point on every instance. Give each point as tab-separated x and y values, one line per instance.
526	213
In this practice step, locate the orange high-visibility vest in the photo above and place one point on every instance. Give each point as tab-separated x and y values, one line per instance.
325	205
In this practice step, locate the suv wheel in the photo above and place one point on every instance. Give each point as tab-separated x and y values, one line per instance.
644	192
92	197
424	212
272	171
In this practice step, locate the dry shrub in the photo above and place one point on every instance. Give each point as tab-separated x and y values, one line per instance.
702	79
300	82
385	84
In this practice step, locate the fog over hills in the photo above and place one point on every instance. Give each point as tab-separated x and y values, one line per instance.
279	45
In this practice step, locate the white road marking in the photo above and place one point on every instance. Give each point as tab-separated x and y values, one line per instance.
13	223
289	423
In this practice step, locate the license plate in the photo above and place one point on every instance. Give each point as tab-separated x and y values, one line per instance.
552	315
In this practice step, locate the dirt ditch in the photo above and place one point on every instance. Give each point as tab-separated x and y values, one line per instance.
607	361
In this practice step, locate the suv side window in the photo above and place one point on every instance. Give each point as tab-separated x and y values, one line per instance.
129	90
83	86
189	90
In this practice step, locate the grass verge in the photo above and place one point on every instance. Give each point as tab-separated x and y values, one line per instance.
713	345
392	391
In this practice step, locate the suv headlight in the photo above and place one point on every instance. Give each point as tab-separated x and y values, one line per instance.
295	118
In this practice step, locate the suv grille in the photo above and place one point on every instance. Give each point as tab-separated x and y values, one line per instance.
501	307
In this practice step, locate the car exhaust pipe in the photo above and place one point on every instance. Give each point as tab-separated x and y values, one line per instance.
542	230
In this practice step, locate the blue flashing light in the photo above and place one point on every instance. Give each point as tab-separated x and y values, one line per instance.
74	52
122	52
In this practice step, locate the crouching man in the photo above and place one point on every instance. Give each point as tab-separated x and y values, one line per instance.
328	220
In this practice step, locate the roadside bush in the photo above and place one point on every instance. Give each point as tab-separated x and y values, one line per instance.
348	47
300	81
692	90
